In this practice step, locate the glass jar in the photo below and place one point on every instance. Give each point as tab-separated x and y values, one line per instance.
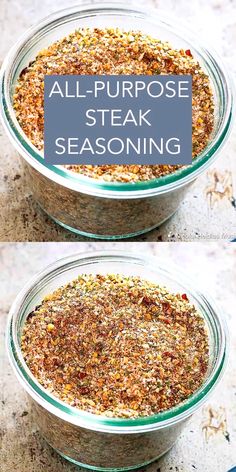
94	441
94	208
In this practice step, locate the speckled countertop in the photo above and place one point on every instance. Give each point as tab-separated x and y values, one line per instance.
208	442
209	209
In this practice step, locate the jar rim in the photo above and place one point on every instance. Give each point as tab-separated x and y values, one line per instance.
89	185
183	410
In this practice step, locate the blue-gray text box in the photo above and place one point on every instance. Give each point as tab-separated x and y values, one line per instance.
153	126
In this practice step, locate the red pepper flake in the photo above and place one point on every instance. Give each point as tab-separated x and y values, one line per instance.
82	375
184	297
147	300
83	390
165	306
168	354
188	52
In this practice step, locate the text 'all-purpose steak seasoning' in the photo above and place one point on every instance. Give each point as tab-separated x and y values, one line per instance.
113	51
117	346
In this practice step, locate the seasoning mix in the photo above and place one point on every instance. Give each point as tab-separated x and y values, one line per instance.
113	51
117	346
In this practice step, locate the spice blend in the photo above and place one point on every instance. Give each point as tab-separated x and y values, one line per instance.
117	346
113	51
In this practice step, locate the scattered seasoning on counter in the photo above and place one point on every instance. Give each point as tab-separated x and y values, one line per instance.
113	51
117	346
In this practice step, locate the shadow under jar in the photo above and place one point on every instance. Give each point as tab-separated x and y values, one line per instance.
94	441
95	208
